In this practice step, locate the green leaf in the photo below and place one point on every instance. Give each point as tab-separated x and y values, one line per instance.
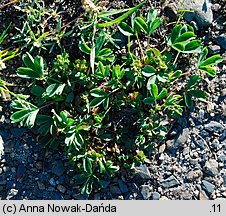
213	60
99	43
193	47
28	60
37	90
125	29
142	24
154	90
194	81
31	118
180	47
106	103
28	73
152	14
84	47
203	55
55	89
102	167
174	34
154	25
98	93
162	94
176	74
151	80
101	67
20	115
185	37
149	100
209	70
39	64
198	94
148	71
97	101
78	139
188	100
122	17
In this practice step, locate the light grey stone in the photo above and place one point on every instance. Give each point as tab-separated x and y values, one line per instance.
202	14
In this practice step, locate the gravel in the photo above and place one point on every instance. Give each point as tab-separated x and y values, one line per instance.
190	164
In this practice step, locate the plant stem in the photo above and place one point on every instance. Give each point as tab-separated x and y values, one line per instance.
176	58
128	45
141	49
9	3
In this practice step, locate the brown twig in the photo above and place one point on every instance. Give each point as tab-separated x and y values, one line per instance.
9	3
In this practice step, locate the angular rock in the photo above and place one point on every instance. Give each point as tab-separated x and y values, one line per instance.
20	170
211	167
201	143
12	193
169	182
202	14
171	10
155	196
114	189
221	41
194	175
17	132
52	182
143	172
146	191
123	187
61	188
208	187
182	138
214	126
41	186
58	168
214	49
203	196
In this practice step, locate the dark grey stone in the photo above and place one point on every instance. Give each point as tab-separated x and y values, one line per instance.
182	138
155	196
5	134
208	187
17	132
221	41
171	10
201	144
223	136
43	177
214	126
204	134
123	187
169	182
58	168
114	189
20	170
143	172
146	192
105	184
215	144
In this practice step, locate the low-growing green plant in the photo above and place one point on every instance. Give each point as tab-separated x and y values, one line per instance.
37	32
105	110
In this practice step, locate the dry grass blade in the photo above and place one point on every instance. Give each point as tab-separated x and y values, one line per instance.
9	3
